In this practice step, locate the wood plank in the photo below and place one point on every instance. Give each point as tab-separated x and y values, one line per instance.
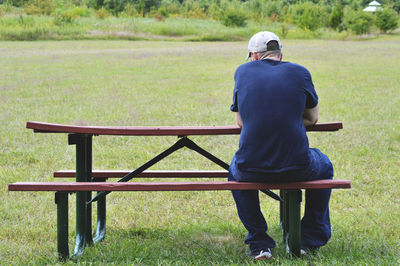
134	130
172	186
41	127
331	126
148	174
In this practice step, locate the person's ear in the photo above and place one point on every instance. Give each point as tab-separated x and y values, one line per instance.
255	56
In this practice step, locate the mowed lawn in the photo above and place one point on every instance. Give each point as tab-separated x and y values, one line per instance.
125	83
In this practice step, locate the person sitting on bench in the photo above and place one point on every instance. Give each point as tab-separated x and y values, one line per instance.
273	101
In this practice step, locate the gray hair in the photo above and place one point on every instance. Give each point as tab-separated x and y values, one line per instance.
269	54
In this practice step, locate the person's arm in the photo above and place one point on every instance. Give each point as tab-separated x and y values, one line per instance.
238	119
310	116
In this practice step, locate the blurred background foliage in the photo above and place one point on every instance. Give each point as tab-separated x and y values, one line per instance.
310	16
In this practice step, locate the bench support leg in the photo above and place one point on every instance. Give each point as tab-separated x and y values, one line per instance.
61	199
83	144
281	206
80	223
88	173
101	218
292	221
284	213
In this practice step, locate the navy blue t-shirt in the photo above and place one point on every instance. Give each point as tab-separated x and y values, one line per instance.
271	97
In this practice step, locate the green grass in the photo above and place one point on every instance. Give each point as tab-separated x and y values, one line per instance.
190	83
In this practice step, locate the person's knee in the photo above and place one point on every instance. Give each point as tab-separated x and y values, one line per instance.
328	171
324	164
331	172
230	176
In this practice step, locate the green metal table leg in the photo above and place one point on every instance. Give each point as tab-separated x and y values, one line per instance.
80	223
88	173
83	144
61	199
294	234
101	217
89	236
281	206
284	212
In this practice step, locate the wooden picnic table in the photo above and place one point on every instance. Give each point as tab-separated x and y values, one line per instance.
87	180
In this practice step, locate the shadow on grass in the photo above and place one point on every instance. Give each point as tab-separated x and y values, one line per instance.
193	245
220	245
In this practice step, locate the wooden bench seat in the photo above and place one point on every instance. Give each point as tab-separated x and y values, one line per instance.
171	186
289	208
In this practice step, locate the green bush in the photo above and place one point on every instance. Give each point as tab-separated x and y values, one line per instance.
102	13
234	18
359	22
68	15
214	11
16	3
114	6
40	7
129	11
357	4
396	6
6	7
307	15
336	17
81	12
192	9
386	20
2	12
63	16
196	11
96	4
170	8
259	10
274	9
162	11
144	6
255	9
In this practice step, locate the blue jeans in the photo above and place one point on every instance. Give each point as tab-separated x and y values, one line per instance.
315	225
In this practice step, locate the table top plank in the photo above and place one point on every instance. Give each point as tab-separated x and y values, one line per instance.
41	127
148	173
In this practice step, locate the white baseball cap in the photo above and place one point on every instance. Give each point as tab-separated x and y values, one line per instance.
260	42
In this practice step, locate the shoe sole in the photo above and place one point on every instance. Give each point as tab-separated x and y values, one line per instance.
263	258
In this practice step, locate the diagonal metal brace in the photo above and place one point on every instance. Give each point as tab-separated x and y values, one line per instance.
178	145
182	142
193	146
272	195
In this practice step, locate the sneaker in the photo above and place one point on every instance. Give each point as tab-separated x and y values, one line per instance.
306	251
264	254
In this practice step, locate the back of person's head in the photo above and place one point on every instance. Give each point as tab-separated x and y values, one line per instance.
266	44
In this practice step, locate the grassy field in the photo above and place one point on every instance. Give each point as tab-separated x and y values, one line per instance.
187	83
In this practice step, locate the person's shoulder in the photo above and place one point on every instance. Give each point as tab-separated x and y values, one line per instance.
301	71
295	66
243	67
